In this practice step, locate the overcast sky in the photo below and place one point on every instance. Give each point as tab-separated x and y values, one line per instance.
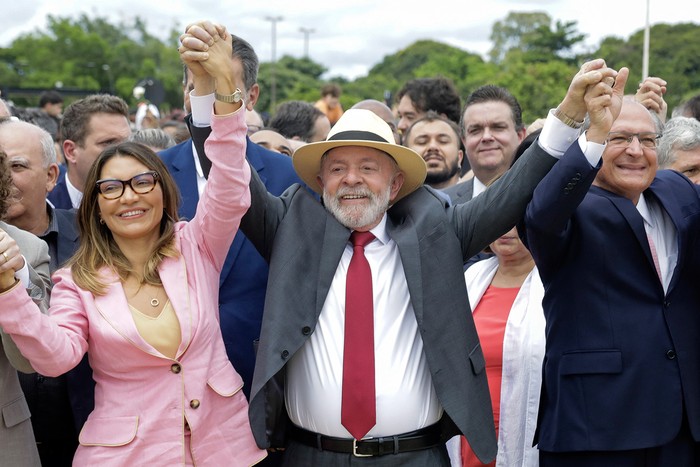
351	37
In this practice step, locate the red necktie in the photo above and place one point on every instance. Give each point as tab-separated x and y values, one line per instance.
359	408
654	255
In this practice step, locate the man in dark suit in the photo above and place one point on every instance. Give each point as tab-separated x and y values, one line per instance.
244	275
88	126
619	261
492	128
59	405
427	364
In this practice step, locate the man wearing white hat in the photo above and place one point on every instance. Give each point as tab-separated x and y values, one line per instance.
412	375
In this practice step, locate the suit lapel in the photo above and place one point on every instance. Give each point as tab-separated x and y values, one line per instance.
663	193
406	237
173	275
114	307
115	310
633	218
335	238
185	174
68	238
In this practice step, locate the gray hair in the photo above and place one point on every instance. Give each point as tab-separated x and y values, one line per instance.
48	148
153	137
680	134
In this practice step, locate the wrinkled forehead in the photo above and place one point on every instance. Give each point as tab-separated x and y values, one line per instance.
634	118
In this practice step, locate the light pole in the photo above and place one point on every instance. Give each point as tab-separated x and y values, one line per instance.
645	53
273	82
108	69
306	32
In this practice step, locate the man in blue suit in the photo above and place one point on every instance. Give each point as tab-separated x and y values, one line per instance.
619	262
244	275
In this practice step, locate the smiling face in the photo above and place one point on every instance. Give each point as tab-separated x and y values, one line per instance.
32	176
358	185
628	171
133	216
490	138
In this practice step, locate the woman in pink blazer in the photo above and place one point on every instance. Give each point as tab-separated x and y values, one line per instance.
140	297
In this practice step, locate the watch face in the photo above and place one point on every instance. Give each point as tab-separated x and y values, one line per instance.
231	98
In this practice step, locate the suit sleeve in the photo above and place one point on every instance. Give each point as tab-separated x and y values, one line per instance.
266	211
481	220
555	200
37	257
226	196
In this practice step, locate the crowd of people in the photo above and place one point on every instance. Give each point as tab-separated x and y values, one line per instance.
424	283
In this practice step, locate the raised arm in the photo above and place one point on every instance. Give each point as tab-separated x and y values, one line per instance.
502	205
206	50
651	95
556	199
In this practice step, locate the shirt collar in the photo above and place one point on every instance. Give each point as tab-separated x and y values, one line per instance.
76	196
478	188
53	221
644	211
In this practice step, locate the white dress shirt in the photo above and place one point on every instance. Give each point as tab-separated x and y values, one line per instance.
659	226
406	398
76	196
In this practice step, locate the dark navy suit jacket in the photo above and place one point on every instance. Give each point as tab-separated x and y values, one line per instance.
244	275
59	195
622	360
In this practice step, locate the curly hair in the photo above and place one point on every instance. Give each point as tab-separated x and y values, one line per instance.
5	185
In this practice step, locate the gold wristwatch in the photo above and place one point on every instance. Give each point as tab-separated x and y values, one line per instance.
237	96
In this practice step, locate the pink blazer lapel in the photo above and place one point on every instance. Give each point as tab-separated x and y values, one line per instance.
115	310
173	274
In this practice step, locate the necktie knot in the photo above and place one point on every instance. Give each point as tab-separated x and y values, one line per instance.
361	239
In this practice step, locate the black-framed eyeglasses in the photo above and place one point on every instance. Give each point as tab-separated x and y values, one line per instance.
648	140
112	188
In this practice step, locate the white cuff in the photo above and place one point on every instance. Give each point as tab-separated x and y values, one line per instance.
201	109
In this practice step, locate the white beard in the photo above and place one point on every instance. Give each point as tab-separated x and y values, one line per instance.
355	217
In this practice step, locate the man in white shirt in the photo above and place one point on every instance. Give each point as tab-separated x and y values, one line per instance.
427	366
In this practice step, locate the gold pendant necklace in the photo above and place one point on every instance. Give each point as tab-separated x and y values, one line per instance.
155	302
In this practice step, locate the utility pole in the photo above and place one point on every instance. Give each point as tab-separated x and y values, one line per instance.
645	54
306	32
273	80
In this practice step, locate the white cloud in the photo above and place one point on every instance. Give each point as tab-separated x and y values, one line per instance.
349	37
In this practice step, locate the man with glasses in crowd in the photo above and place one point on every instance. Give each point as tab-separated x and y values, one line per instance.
619	261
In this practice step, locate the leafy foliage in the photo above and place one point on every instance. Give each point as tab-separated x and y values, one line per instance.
531	56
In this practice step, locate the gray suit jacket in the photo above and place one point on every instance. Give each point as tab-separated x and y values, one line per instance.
16	436
461	192
303	244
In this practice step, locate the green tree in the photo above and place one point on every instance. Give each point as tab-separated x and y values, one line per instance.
514	30
92	55
674	55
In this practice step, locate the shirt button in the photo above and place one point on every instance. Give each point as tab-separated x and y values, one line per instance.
285	354
671	354
194	403
306	330
175	368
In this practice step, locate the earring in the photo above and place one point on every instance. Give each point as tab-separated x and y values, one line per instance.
102	221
